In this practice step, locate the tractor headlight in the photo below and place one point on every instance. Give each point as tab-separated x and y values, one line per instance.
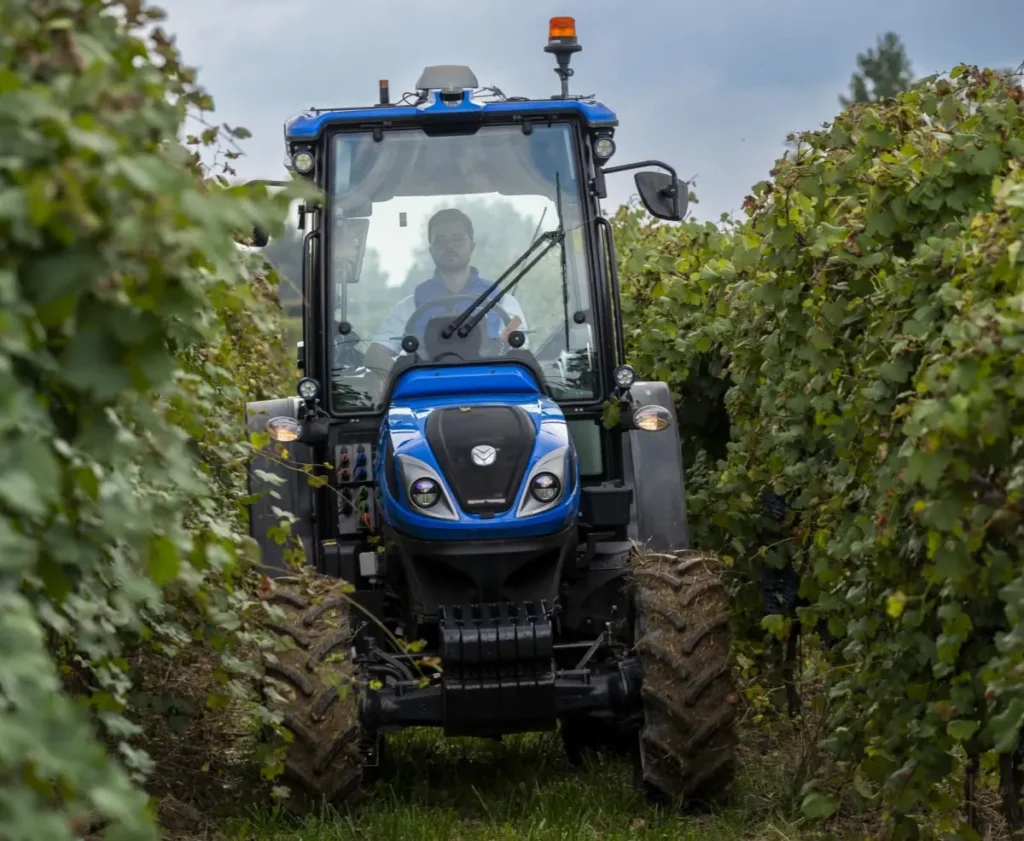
425	492
652	418
284	429
545	487
625	376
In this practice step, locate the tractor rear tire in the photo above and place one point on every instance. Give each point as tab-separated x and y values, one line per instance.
315	684
687	741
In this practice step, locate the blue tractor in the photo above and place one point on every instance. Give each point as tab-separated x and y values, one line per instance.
484	549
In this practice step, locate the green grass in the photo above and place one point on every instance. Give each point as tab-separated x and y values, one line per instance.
524	788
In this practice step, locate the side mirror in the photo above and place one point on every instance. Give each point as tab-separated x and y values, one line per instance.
662	195
350	248
260	237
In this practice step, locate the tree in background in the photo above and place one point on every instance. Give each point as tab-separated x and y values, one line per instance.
886	69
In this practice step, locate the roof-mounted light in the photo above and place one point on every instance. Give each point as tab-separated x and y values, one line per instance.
604	148
562	44
561	27
303	162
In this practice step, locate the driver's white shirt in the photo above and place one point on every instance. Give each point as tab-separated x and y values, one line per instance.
390	333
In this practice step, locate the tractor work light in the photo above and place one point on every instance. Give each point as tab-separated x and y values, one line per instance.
303	162
284	429
425	492
625	376
308	389
604	148
652	418
545	487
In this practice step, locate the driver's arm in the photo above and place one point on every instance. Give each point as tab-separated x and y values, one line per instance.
511	306
387	341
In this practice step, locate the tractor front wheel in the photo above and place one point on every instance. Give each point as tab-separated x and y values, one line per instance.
311	680
687	742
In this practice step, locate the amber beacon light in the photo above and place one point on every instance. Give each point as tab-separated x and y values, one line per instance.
561	27
562	44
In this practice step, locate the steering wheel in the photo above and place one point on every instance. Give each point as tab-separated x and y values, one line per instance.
345	350
489	346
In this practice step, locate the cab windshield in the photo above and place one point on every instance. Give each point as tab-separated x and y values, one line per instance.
420	226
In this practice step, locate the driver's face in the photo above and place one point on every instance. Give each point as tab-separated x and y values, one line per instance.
450	246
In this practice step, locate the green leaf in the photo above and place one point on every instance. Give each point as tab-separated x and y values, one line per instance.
817	806
895	603
93	362
162	560
29	478
948	109
962	730
897	371
986	160
774	624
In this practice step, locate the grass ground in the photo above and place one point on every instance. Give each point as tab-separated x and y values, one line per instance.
206	786
524	788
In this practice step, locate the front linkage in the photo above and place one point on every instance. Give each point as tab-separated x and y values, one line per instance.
502	672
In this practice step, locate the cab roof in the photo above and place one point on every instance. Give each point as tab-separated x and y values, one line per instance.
439	106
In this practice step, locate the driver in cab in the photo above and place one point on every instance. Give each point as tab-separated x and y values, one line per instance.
450	235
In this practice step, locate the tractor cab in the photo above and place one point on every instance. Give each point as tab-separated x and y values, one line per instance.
462	339
461	225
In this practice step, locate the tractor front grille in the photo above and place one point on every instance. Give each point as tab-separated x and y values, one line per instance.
454	433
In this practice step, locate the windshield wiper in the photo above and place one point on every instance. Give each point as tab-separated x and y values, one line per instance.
463	323
564	267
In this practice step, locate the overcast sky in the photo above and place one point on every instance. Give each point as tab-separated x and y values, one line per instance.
711	87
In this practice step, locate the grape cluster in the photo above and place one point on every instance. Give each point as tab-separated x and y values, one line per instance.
779	590
774	506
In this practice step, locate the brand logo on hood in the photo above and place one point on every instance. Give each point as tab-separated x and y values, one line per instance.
483	455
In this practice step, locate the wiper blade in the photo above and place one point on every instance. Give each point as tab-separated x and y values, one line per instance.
462	322
554	238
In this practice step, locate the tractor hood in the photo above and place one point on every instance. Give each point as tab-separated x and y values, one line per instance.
492	445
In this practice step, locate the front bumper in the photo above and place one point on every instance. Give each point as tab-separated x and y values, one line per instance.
488	571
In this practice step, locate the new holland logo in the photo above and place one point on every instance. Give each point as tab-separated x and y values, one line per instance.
483	455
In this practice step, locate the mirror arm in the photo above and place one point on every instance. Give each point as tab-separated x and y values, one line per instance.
608	170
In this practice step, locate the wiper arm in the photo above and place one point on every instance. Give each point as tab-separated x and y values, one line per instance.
554	238
460	323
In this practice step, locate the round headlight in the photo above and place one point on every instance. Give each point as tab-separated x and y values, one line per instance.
652	418
545	487
604	147
284	429
303	162
308	389
425	492
625	376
